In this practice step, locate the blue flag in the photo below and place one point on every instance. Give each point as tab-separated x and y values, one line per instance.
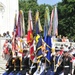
47	22
45	32
38	46
48	48
37	28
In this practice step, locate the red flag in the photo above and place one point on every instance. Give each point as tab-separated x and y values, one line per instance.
30	36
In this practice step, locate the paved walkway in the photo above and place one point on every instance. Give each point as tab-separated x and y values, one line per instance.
2	65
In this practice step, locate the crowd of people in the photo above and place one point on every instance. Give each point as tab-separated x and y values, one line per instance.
60	38
19	63
6	34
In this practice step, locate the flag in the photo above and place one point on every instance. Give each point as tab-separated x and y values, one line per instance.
51	22
30	35
55	22
38	36
45	32
38	27
15	30
15	33
39	47
48	48
47	22
22	23
30	28
19	25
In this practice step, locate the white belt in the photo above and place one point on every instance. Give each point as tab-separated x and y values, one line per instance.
66	66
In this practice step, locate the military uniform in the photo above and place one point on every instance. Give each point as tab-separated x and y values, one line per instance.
25	64
9	65
67	65
58	62
17	63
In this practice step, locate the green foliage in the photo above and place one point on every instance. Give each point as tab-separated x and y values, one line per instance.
66	15
25	5
66	18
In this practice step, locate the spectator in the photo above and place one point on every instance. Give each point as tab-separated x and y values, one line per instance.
61	47
71	40
70	47
66	48
66	39
63	39
59	38
8	35
4	34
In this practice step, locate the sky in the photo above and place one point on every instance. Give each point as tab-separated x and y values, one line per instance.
50	2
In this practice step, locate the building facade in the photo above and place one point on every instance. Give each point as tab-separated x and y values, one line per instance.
8	9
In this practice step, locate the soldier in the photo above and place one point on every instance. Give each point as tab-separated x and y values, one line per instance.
58	63
16	65
9	64
67	64
25	63
70	47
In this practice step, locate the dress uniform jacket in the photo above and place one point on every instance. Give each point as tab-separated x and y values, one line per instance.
67	65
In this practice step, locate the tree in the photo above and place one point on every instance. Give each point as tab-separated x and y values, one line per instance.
25	5
66	17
